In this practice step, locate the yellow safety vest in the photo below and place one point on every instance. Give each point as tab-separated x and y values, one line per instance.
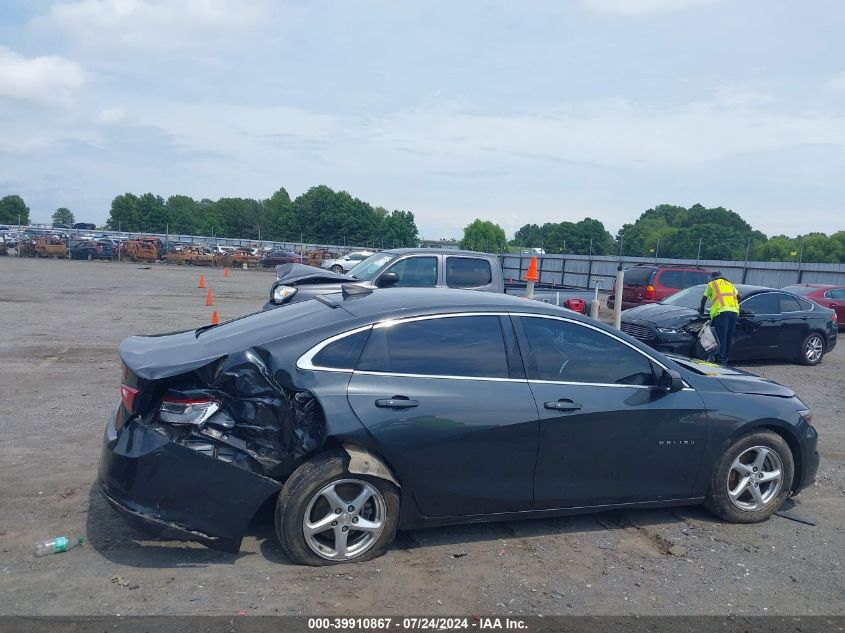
723	296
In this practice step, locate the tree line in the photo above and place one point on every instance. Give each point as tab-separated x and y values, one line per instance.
668	231
318	215
335	217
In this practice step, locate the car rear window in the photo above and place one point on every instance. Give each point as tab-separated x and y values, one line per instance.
467	272
470	346
672	278
639	276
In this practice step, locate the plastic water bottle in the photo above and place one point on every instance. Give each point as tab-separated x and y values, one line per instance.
56	545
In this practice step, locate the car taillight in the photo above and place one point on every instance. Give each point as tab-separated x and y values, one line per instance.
187	411
127	397
835	320
650	292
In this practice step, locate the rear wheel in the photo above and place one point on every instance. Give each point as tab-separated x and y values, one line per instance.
812	349
337	269
752	478
326	515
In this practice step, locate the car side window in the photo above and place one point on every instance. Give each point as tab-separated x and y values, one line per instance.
766	303
835	294
563	351
467	272
695	278
342	353
788	304
415	272
672	278
470	346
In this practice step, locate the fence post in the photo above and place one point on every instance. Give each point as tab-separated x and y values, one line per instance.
589	269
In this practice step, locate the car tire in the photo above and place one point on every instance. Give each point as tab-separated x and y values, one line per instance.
743	488
812	349
303	496
338	270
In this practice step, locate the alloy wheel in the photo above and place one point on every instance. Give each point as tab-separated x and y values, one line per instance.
344	519
755	478
814	348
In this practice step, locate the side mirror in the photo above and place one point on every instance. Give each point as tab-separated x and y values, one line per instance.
745	314
670	381
388	279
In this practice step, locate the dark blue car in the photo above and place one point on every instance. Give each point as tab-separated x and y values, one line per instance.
367	412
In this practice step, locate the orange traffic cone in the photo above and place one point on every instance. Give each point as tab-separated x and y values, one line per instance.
532	274
209	298
202	282
215	318
226	272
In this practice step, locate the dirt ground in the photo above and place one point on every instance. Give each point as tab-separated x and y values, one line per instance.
59	378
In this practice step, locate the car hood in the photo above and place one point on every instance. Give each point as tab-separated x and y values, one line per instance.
661	314
734	380
300	274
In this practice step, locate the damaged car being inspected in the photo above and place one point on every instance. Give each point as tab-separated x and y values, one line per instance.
362	412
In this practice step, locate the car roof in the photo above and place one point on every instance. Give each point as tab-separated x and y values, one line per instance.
419	301
819	286
436	251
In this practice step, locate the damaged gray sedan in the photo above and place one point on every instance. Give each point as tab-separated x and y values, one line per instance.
362	412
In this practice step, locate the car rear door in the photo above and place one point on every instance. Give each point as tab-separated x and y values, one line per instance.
608	435
446	400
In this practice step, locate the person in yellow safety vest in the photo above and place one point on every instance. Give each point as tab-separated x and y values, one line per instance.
724	312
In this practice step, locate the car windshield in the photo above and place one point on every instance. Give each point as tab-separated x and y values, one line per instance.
687	298
367	269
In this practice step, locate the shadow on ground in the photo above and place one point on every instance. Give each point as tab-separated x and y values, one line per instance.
113	538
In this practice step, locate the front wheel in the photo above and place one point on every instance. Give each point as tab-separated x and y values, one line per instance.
337	269
812	349
326	515
752	478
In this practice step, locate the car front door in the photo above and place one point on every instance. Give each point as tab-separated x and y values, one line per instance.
608	435
413	272
758	329
447	402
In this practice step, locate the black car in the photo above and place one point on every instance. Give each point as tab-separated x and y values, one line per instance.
772	324
92	250
85	226
364	412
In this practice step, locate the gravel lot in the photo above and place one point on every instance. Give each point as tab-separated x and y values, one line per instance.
59	378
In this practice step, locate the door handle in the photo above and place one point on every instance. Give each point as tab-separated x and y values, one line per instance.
397	402
563	405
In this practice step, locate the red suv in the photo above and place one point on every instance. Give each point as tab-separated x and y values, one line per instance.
650	283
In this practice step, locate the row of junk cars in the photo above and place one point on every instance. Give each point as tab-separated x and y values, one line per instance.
147	249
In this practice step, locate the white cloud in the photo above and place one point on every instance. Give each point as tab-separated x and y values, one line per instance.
110	116
836	84
637	7
48	80
151	24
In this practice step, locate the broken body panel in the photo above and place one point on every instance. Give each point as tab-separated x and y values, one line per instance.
267	423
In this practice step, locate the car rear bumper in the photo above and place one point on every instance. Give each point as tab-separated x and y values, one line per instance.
173	491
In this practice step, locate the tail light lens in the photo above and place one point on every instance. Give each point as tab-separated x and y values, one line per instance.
650	292
127	397
186	412
835	320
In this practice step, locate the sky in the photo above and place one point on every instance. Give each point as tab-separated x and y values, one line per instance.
514	112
